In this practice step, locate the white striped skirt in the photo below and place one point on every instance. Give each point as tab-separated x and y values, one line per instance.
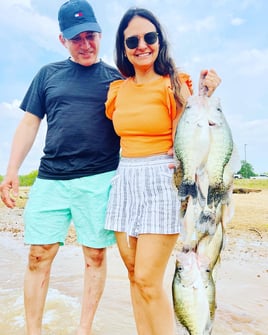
143	198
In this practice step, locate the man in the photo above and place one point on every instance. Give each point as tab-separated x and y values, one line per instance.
80	155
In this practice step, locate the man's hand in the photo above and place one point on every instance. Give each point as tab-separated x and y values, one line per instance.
9	190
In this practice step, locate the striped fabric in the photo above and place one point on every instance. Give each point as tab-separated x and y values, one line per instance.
143	198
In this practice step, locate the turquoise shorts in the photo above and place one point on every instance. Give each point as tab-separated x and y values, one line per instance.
54	204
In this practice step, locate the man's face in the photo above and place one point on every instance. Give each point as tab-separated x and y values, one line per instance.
84	47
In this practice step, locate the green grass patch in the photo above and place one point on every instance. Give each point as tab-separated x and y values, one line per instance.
25	180
261	184
28	180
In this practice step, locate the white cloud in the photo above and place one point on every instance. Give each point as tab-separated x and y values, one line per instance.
26	22
10	110
237	21
25	3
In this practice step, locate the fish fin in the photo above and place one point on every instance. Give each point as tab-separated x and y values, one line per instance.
235	160
201	198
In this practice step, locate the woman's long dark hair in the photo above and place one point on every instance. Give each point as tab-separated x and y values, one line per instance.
164	64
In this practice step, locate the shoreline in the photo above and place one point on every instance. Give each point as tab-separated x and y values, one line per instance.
242	280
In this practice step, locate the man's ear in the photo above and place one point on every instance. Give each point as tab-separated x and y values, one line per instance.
62	40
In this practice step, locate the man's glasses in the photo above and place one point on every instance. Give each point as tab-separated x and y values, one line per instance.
132	42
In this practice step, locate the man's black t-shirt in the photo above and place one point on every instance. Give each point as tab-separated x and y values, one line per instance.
80	140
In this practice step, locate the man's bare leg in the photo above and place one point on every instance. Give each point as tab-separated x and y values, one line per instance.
94	281
36	283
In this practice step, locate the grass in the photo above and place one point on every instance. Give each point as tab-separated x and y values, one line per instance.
261	184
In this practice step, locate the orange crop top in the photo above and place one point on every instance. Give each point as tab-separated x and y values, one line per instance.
142	115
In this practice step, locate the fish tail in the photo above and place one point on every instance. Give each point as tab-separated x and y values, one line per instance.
187	189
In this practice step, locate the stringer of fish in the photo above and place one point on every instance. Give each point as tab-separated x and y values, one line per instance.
207	159
206	156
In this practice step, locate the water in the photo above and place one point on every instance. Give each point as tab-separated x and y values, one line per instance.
62	311
242	294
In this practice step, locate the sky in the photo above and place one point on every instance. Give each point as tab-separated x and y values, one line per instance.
228	36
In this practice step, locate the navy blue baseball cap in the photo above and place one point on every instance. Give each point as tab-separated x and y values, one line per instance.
75	17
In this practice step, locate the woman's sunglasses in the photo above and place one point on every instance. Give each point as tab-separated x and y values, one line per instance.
132	42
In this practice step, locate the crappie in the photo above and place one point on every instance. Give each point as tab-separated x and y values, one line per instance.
207	157
191	144
190	300
208	252
203	145
221	148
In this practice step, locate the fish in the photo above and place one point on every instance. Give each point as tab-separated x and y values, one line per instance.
191	305
194	283
208	252
207	160
205	150
221	149
191	145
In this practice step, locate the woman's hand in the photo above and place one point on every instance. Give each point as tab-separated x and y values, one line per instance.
208	82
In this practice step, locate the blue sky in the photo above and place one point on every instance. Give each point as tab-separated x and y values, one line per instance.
229	36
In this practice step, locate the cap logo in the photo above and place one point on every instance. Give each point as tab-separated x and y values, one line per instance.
78	14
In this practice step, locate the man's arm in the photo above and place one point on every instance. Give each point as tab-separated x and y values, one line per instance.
22	142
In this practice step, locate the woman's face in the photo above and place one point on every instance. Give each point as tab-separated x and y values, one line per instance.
140	53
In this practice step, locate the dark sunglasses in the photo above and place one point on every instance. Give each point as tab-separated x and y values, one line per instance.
132	42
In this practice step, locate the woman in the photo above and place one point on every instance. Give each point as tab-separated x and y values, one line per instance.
143	209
